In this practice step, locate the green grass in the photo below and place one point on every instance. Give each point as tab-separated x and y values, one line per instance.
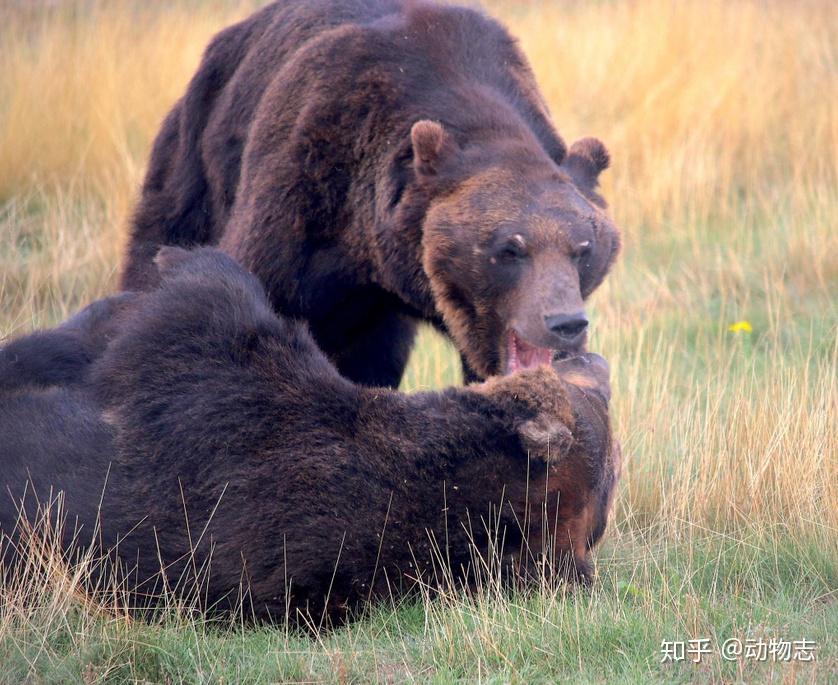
714	586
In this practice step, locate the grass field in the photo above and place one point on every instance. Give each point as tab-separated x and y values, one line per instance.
722	120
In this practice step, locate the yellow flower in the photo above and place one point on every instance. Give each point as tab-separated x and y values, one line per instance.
740	327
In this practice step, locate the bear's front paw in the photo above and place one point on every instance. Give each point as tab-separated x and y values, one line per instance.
537	402
545	437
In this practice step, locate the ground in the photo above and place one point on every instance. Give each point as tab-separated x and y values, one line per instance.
722	135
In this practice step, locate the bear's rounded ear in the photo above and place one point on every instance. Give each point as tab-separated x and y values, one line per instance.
432	146
169	258
586	159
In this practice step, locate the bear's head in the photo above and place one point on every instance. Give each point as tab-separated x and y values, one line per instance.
512	244
579	487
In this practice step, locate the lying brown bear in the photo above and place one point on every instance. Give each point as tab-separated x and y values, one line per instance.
311	492
377	163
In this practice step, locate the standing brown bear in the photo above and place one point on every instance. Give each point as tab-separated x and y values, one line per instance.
380	162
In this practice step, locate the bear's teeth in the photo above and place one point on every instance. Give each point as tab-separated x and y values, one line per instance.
512	363
523	355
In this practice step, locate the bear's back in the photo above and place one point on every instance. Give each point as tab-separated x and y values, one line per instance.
436	57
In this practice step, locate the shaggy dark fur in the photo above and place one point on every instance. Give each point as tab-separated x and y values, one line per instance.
62	355
51	428
311	492
376	163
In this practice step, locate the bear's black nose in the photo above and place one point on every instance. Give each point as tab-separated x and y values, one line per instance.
569	327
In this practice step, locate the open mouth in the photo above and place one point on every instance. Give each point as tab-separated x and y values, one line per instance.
522	355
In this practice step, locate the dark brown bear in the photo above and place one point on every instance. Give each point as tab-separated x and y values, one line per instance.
311	492
380	162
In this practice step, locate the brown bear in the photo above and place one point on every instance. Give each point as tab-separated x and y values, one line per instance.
377	163
214	438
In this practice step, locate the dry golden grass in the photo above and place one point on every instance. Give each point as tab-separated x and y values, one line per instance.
83	88
722	120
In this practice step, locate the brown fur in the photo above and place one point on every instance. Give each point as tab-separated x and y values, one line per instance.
370	161
214	432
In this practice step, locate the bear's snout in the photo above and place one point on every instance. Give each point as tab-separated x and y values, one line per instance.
569	328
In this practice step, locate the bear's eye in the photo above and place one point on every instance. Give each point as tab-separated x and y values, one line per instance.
515	247
582	251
